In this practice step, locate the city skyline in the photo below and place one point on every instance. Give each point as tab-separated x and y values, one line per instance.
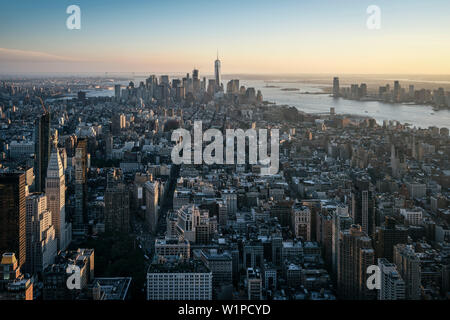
247	154
255	37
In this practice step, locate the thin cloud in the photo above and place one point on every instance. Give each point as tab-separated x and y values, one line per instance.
15	55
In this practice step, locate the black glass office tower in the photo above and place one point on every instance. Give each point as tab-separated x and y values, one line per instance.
42	147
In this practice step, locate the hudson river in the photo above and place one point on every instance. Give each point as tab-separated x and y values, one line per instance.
416	115
310	99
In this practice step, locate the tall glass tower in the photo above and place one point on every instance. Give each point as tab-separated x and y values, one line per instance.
42	150
217	74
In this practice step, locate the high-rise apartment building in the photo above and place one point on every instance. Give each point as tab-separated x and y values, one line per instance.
222	212
356	255
408	265
117	203
363	205
151	201
42	244
80	218
341	221
392	284
324	232
230	198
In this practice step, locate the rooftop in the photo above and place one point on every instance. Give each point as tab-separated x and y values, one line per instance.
113	288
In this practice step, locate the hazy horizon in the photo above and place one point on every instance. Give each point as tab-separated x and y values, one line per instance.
322	79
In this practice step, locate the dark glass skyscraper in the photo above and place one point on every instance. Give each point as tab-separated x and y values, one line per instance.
12	215
42	147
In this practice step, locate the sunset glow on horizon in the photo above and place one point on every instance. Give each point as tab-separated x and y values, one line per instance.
257	37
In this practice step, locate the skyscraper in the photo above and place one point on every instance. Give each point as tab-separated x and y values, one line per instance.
396	93
109	141
80	186
41	150
55	189
117	203
336	87
355	256
392	284
195	81
118	122
233	86
212	85
117	91
363	205
341	221
217	73
152	198
13	215
408	265
41	236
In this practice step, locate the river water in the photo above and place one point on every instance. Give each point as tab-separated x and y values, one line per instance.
308	98
417	115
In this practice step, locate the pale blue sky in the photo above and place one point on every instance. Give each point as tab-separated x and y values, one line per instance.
257	36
